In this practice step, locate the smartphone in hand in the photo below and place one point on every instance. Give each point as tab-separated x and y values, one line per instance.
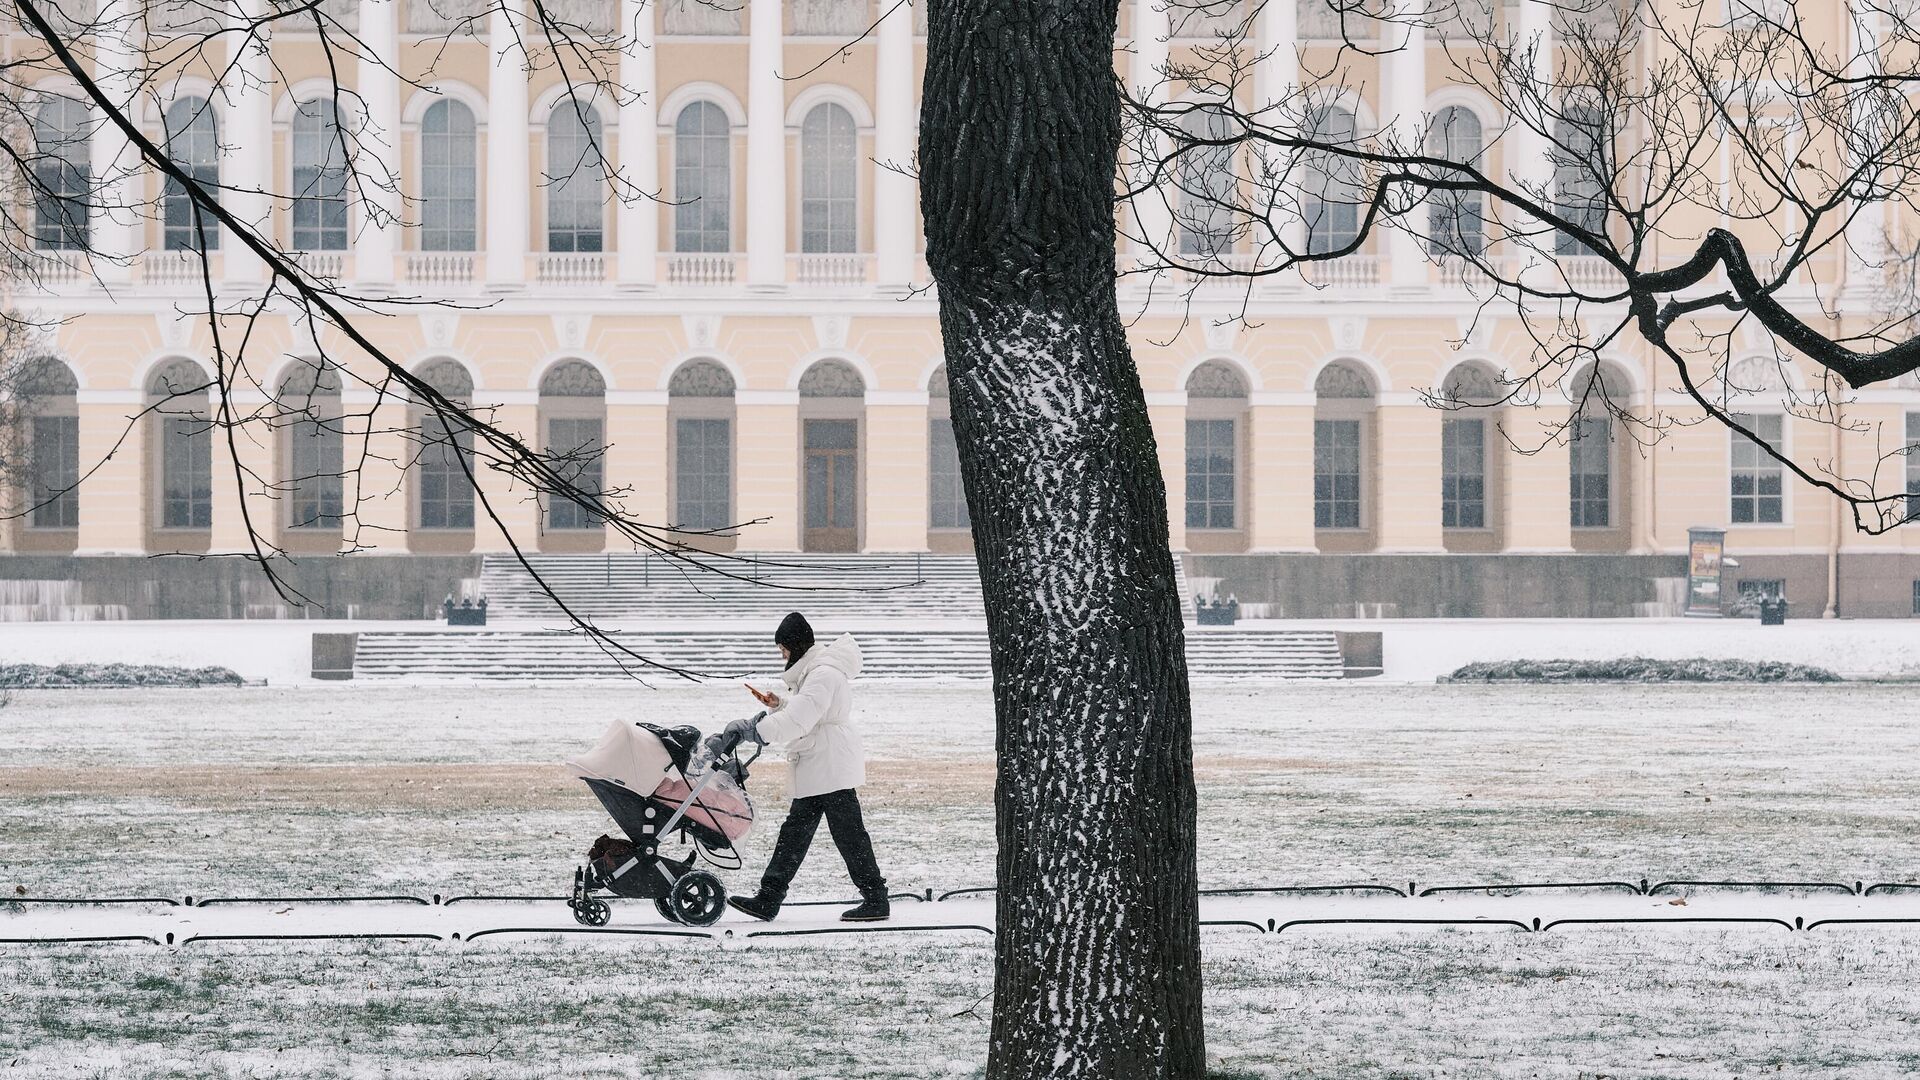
771	701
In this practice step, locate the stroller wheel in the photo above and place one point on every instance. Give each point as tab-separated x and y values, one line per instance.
593	913
697	899
665	909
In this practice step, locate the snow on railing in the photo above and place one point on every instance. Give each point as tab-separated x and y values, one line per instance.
571	268
440	267
702	269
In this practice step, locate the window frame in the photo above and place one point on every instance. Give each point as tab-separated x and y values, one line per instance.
1323	415
296	201
207	173
856	199
167	409
1576	423
1484	475
593	132
422	170
684	203
62	218
1763	466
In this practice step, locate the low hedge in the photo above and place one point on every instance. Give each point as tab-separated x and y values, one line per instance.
1640	669
66	676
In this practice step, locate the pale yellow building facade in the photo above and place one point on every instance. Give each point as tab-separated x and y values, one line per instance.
759	343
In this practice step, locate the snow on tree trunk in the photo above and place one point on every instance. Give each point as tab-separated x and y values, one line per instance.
1098	963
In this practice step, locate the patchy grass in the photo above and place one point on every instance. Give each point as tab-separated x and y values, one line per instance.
1599	1003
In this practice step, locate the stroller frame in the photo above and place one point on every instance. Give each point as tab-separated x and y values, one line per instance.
680	892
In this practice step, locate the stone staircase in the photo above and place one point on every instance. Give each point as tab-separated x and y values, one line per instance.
633	589
1213	655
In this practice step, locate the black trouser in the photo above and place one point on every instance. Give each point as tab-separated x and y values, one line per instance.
842	811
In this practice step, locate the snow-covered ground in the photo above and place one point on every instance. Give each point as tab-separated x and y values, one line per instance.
1417	650
357	788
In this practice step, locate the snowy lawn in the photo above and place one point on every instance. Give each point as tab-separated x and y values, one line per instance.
447	789
1701	1004
451	790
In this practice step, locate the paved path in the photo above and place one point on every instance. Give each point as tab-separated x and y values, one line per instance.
164	923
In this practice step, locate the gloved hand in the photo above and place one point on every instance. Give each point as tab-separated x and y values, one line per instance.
747	728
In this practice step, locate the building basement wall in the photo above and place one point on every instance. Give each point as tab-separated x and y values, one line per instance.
133	587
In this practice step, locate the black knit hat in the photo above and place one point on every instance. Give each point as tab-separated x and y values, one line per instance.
795	634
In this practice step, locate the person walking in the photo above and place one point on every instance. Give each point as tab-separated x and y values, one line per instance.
815	724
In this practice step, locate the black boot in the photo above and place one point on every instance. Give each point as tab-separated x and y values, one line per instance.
761	907
873	908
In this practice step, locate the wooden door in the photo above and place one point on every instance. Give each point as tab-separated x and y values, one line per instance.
832	485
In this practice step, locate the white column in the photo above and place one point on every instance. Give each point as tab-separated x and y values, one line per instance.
379	169
246	138
1152	210
766	149
113	222
1527	163
1276	74
636	219
1866	230
1407	81
507	167
894	111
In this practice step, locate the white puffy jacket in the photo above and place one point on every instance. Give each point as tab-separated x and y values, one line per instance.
815	721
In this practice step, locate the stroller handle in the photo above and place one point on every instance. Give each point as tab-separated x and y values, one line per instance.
722	744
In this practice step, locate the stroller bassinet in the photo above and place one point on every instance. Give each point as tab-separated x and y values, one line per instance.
657	783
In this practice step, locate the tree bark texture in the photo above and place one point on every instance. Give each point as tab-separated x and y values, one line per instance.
1098	958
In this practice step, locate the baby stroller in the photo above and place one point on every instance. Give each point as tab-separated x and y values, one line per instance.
657	783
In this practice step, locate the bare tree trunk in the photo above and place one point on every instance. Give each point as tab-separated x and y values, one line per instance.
1098	965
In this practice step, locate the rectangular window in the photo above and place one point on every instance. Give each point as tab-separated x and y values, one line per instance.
1590	471
1210	474
703	473
948	495
1580	159
1336	474
446	489
56	472
575	443
1463	474
1913	466
1758	480
315	449
186	473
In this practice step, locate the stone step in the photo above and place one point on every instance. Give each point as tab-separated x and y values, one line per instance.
534	654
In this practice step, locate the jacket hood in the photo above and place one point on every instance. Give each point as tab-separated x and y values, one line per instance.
842	654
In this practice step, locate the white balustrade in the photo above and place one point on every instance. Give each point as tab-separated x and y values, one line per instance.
172	268
1589	272
440	267
572	268
702	270
325	266
1351	272
830	270
1223	272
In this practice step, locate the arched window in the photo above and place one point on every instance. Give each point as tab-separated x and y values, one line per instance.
946	493
1590	448
1454	221
1581	163
319	178
1208	186
51	392
700	399
1330	183
829	196
573	405
178	397
1469	389
703	179
62	173
449	178
193	144
1343	403
445	470
1216	404
576	178
315	448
